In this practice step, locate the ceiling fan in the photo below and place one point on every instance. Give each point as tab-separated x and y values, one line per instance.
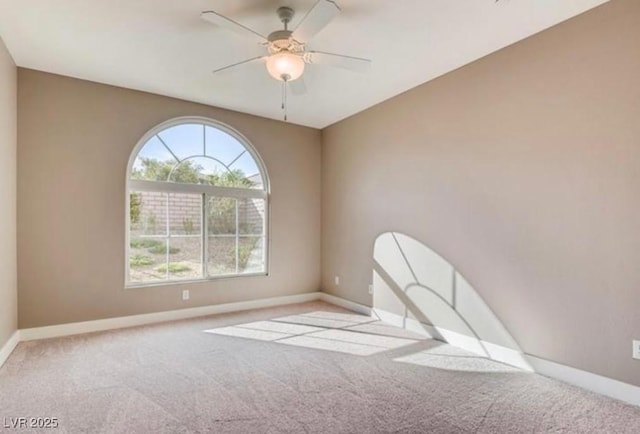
286	50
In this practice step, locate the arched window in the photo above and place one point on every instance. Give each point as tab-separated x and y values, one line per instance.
197	204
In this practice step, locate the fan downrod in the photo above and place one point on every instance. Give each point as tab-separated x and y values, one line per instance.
286	15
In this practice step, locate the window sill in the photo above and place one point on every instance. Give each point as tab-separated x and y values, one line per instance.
129	285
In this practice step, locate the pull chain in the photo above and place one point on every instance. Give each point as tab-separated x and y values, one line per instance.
285	101
285	79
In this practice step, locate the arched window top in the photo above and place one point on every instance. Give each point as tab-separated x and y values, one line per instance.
198	205
198	151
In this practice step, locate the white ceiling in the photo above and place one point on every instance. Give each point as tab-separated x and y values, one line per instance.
162	46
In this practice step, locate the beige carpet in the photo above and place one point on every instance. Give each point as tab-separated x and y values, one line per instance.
304	368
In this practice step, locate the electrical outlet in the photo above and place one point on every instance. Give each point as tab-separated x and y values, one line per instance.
370	289
337	280
185	295
636	350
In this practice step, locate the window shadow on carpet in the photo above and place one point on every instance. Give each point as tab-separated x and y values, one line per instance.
330	331
361	336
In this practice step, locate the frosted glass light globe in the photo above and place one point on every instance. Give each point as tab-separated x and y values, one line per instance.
285	66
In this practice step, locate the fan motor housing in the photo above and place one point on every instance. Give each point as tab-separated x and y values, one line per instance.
279	35
282	40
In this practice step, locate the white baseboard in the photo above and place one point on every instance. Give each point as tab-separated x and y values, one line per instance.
596	383
577	377
483	348
150	318
7	348
347	304
587	380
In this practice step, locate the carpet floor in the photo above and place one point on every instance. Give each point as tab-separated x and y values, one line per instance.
310	367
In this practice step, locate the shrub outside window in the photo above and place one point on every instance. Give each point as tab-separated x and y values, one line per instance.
197	205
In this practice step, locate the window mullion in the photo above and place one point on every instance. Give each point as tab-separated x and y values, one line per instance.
205	235
168	148
167	242
237	241
176	187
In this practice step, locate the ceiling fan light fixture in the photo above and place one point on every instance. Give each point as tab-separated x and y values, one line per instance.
285	66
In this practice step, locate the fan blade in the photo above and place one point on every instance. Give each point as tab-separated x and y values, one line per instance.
298	87
354	64
229	24
316	19
253	59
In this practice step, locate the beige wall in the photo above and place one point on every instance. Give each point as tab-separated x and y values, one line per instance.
75	139
8	123
522	170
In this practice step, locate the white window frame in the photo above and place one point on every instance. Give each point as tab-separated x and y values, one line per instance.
208	191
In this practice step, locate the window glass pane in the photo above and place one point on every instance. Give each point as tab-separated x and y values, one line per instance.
222	236
185	236
222	216
152	156
222	146
251	216
186	140
148	236
201	170
185	214
222	255
185	257
145	266
246	167
155	150
148	213
236	178
153	170
250	254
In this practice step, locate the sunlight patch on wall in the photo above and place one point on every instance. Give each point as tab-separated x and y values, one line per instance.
425	291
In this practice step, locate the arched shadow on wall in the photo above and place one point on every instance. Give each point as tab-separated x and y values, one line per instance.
434	297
